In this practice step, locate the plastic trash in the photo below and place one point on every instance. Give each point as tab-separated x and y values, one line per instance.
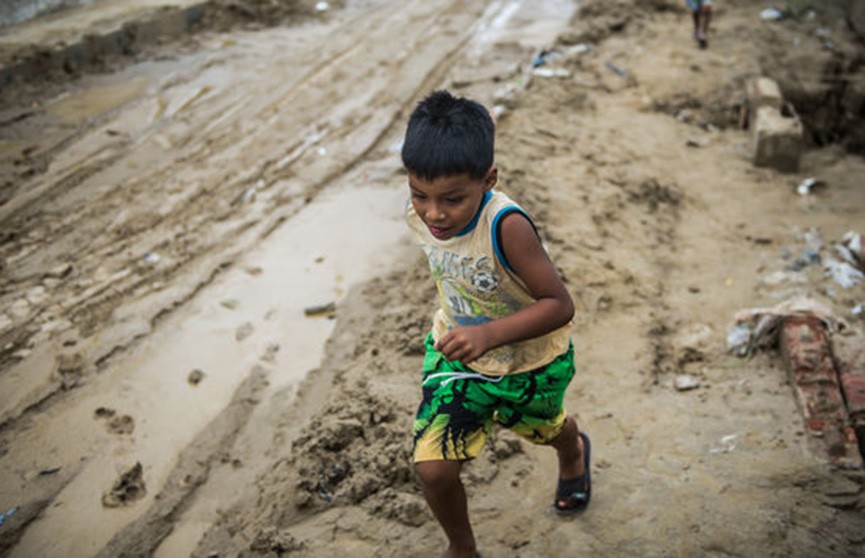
807	185
843	273
726	444
7	514
772	14
151	258
322	6
551	72
739	339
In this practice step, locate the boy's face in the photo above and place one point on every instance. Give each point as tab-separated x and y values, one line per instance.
449	203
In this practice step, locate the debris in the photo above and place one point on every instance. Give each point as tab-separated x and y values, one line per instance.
772	14
616	70
49	472
151	258
322	310
685	382
7	514
807	185
322	6
727	444
858	309
195	377
854	244
758	328
739	339
550	72
545	56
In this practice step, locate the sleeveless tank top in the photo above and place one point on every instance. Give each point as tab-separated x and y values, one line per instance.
475	285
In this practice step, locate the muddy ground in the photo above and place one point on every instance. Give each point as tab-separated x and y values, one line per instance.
171	208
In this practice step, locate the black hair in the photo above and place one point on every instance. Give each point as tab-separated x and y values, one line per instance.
448	135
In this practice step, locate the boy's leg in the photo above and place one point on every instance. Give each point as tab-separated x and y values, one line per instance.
569	447
446	497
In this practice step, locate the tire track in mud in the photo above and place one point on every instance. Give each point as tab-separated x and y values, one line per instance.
282	189
103	243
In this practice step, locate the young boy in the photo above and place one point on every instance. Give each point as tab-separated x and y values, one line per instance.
701	11
500	348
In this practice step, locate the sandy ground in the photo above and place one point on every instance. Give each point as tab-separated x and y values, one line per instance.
169	222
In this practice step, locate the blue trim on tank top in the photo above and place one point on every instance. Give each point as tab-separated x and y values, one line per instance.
495	233
474	222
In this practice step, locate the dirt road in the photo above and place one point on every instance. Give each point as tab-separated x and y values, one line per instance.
165	224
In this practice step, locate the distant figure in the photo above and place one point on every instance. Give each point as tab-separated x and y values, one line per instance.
701	10
500	348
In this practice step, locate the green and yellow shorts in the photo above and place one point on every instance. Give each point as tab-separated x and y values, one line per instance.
459	405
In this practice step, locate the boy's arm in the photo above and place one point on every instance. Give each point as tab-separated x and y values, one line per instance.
552	309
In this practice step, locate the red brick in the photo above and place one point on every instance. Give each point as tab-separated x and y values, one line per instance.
849	353
808	356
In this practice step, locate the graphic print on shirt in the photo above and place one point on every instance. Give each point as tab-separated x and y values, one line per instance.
468	287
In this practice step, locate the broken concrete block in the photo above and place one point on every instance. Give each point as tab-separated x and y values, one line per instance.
762	92
777	139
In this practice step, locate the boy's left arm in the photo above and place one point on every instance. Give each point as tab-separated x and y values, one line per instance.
552	308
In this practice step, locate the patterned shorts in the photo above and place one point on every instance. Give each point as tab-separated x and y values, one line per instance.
459	405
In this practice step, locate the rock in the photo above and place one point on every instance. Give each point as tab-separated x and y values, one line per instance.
777	139
685	382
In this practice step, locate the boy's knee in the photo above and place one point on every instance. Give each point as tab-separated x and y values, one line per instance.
438	474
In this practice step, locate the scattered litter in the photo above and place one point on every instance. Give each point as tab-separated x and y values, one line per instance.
616	70
843	273
581	48
727	444
545	56
823	32
7	514
322	6
854	244
49	472
858	309
757	328
807	185
551	72
739	339
322	151
322	310
151	258
685	382
772	14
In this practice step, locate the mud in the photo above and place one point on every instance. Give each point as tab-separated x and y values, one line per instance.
171	227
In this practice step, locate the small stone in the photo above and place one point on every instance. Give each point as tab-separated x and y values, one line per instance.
195	377
685	382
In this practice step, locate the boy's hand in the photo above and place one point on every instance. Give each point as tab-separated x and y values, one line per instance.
464	344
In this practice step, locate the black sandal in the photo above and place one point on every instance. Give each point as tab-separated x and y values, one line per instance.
576	493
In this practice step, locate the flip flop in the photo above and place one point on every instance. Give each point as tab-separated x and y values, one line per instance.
576	492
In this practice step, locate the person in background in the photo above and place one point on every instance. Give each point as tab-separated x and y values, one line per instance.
701	11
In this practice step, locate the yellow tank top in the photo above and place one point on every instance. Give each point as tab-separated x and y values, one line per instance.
475	285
